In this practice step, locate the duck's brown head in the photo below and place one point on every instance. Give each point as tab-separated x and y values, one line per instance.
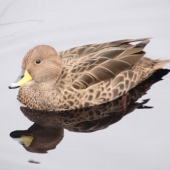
41	64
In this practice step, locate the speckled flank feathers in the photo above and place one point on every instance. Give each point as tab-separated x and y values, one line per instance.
86	75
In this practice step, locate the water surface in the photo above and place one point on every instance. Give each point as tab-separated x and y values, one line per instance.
140	140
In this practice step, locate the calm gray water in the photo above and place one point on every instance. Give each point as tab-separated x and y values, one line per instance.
140	140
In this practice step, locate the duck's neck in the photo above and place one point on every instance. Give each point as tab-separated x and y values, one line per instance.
40	96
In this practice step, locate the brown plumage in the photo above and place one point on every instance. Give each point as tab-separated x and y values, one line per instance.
84	76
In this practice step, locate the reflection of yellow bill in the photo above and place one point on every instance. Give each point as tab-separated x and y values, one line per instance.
26	140
23	78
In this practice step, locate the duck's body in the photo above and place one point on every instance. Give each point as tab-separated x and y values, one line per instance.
84	76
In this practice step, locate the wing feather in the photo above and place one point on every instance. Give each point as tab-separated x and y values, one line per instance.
92	64
80	51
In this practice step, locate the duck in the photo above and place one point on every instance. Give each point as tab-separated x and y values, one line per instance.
83	76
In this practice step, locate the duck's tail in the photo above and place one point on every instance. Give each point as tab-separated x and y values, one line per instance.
152	65
148	67
158	64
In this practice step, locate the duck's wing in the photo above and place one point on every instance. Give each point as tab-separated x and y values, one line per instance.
82	51
105	64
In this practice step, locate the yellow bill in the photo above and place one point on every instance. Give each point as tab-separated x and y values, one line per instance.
23	78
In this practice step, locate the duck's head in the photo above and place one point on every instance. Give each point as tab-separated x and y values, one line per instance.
41	64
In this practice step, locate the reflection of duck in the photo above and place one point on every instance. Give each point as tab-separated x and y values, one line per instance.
38	138
47	131
82	76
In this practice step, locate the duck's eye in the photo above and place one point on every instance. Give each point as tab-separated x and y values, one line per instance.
38	61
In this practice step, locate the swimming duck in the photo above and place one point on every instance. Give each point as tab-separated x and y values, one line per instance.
82	76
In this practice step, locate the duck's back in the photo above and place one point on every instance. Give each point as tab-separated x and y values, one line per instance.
99	73
91	64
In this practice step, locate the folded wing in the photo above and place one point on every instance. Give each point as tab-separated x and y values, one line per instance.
92	64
